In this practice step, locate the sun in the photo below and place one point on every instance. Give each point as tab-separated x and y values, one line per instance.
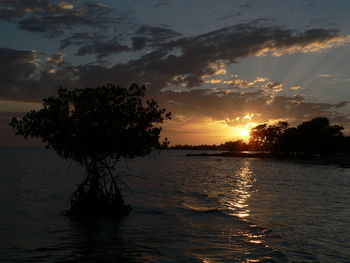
245	132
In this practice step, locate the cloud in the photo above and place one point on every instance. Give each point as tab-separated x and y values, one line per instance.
53	19
232	107
342	104
324	75
55	59
313	40
193	64
65	6
245	84
103	45
295	87
80	39
26	75
102	49
154	35
197	59
230	44
16	66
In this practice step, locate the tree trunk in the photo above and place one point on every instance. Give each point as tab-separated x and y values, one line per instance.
94	198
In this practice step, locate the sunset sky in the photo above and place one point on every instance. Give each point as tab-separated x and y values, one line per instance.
220	67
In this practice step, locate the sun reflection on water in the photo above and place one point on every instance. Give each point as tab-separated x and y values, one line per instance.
242	188
242	192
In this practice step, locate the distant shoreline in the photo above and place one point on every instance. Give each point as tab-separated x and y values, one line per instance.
340	159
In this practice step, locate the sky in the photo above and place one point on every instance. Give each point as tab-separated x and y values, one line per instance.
221	67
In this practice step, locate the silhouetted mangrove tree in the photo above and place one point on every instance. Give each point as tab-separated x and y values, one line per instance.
96	127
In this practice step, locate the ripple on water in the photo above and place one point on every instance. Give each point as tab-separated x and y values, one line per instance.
185	210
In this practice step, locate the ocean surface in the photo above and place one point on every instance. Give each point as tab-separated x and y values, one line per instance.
185	209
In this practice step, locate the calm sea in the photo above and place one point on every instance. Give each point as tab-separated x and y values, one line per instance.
186	209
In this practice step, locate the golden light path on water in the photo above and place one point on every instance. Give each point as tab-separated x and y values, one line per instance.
242	191
235	202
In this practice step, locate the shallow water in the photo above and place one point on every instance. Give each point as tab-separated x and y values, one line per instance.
186	209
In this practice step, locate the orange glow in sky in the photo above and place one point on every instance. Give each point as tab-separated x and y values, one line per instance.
208	131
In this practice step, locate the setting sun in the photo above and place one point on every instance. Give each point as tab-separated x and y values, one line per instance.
245	133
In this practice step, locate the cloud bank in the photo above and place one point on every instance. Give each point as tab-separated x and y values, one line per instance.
186	74
53	18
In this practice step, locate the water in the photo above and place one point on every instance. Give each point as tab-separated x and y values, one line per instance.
186	209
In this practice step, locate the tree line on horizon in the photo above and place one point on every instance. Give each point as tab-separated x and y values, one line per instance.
314	136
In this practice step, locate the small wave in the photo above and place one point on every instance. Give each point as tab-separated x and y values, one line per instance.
200	208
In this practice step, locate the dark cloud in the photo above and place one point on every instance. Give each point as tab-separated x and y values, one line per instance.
231	107
56	59
139	43
195	55
13	9
195	58
53	18
228	45
102	49
80	39
27	76
156	34
16	66
103	46
342	104
185	63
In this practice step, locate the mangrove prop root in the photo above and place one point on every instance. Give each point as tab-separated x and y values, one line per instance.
99	193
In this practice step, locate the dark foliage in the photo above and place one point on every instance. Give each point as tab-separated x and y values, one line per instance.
314	136
319	136
96	127
264	137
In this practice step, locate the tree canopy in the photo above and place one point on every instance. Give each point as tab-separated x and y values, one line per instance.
95	123
265	136
314	136
96	127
